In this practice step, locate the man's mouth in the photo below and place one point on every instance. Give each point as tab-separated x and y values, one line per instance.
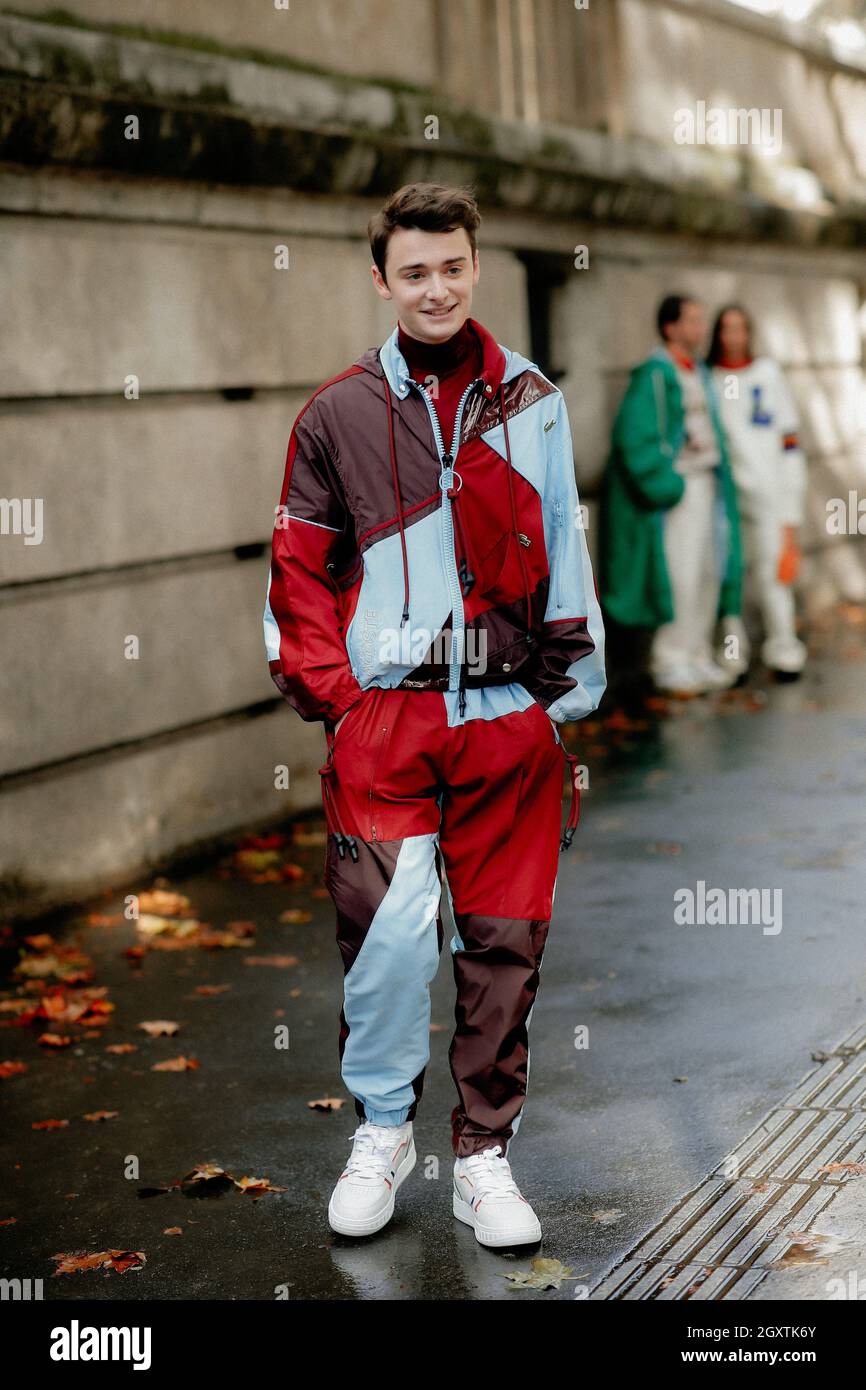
439	313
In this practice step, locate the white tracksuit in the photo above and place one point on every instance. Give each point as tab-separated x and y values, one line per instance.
769	468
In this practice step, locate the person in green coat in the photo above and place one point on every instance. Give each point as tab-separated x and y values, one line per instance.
670	562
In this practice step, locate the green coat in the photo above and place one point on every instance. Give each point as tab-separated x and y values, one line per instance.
641	483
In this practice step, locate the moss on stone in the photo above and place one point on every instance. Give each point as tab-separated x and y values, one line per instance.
200	43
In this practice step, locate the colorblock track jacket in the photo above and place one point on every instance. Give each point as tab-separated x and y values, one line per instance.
400	559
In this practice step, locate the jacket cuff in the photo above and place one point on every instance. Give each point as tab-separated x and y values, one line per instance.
331	723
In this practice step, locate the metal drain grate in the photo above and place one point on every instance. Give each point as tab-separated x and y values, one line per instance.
719	1240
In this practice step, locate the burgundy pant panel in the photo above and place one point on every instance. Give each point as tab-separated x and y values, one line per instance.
497	974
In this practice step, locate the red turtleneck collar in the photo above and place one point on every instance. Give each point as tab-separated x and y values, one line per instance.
438	359
680	357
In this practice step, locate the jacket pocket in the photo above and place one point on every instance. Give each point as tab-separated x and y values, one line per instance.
347	719
500	576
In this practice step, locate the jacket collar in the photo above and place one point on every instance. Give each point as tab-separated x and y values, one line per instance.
388	361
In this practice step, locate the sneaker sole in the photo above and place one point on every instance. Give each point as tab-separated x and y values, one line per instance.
368	1226
486	1235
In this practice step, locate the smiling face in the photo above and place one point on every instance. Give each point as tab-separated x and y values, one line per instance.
430	277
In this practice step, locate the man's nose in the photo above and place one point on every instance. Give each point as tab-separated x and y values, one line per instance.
437	289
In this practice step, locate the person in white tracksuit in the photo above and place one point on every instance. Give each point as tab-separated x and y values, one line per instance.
761	424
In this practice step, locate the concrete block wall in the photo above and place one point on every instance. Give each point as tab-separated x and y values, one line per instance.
158	510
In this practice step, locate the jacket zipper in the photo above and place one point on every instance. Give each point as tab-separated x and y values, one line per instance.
382	741
446	480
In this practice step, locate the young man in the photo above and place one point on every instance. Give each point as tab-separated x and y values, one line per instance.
431	600
670	533
769	468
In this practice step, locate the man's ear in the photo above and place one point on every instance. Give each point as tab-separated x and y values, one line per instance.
379	282
476	269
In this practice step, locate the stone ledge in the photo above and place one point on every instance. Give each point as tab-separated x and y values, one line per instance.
65	92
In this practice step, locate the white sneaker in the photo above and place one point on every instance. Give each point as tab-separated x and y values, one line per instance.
682	683
716	677
487	1198
363	1200
785	655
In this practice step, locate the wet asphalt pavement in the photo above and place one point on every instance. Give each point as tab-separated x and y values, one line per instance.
694	1032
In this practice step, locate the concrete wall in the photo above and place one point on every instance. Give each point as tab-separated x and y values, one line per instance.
158	510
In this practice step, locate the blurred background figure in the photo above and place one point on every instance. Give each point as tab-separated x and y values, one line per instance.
762	430
670	537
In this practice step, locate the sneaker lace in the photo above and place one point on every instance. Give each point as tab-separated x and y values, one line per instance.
372	1152
491	1174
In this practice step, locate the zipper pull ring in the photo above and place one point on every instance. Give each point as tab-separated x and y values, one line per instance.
447	476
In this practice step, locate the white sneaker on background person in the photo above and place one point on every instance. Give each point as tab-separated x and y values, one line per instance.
680	681
784	656
488	1199
382	1157
717	677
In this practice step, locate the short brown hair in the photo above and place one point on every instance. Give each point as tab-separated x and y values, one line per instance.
433	207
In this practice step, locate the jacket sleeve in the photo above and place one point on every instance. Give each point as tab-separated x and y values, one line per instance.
307	656
568	676
641	436
792	460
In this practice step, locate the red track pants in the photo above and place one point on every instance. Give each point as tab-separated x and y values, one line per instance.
402	792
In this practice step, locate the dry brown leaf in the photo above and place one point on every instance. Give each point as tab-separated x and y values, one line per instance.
327	1103
68	963
148	925
164	903
102	1115
118	1260
8	1069
296	915
280	962
53	1040
257	1185
546	1274
225	940
120	1049
177	1064
87	1006
49	1124
160	1028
